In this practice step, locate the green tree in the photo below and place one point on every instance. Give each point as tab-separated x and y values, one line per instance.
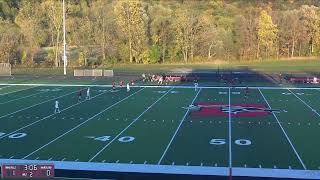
129	16
29	19
267	33
53	12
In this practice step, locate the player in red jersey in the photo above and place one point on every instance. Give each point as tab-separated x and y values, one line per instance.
120	84
112	84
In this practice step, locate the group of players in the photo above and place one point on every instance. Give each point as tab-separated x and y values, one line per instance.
88	97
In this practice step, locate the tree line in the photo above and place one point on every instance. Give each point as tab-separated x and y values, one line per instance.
101	32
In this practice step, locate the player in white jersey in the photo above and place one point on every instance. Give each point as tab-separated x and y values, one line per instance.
128	87
56	107
195	85
88	94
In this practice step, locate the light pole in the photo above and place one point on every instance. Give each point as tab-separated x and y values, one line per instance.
64	41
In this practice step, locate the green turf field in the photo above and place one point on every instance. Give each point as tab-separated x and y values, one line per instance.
271	133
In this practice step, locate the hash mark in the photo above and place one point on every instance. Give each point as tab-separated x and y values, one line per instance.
104	161
11	157
245	165
36	158
215	164
50	159
117	161
275	167
145	162
201	164
131	162
63	159
172	163
260	166
76	160
187	164
289	167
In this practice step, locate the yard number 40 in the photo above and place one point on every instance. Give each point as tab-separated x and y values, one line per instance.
240	142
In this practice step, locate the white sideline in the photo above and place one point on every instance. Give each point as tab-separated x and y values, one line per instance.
30	124
136	119
158	86
17	90
36	104
284	132
173	169
175	133
230	136
80	124
304	103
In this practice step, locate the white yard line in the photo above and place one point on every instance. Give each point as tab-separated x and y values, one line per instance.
230	136
160	86
175	133
313	110
17	91
136	119
21	98
80	125
36	104
8	134
284	132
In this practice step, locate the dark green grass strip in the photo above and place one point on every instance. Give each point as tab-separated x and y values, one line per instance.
33	104
7	91
191	145
41	133
300	123
269	147
152	132
109	123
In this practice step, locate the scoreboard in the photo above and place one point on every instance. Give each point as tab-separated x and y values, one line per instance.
27	171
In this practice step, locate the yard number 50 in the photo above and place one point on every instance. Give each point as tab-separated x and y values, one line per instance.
240	142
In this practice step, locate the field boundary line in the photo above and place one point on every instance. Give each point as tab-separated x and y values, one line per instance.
284	132
135	120
38	104
166	86
35	122
230	137
175	133
313	110
72	129
169	169
21	98
18	90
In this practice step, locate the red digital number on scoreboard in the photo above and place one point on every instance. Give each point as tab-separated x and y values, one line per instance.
27	171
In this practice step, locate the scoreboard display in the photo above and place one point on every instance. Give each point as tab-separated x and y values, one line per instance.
27	171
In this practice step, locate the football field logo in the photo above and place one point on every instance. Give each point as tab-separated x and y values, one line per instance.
240	110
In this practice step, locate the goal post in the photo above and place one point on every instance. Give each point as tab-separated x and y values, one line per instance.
5	69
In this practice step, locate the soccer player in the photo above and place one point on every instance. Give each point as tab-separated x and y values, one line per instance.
56	107
315	80
88	94
112	84
246	92
120	84
79	95
160	80
128	87
144	77
195	84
